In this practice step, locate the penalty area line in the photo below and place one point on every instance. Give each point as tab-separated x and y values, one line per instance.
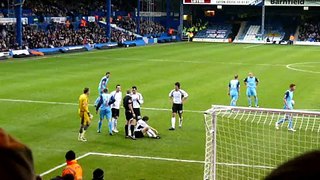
75	104
153	158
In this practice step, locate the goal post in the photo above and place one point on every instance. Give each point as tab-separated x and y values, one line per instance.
243	143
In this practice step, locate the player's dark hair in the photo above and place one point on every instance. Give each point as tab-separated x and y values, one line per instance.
305	166
292	85
70	155
105	90
236	76
117	85
134	87
128	91
177	84
85	90
145	118
107	73
98	174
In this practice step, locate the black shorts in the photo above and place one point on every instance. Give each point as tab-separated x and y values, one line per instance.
177	108
115	112
138	134
137	112
129	115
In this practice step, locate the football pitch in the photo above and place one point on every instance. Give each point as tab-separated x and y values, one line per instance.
38	99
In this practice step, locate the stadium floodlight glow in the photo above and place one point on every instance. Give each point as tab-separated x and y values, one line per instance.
306	8
243	143
219	6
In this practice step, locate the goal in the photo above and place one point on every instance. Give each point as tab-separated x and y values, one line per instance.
243	143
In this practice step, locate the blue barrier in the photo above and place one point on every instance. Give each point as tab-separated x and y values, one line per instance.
106	45
138	42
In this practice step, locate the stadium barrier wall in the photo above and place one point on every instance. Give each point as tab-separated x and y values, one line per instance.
4	55
210	40
88	47
304	43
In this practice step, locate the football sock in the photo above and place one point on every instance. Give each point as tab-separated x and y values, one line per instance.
256	101
99	125
290	123
249	101
82	135
112	121
180	121
126	129
110	126
132	129
115	123
173	122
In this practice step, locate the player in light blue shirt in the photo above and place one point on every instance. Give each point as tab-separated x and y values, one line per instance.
103	84
234	90
104	105
288	104
252	82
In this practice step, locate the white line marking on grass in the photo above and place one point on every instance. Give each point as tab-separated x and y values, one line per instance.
289	66
154	158
62	165
252	46
75	104
145	157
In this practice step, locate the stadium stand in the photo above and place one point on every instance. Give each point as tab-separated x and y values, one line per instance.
45	34
252	33
217	32
309	31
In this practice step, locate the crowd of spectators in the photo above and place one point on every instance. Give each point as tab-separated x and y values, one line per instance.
146	27
7	38
58	35
69	8
309	31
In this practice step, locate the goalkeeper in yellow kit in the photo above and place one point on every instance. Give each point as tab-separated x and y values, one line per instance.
84	113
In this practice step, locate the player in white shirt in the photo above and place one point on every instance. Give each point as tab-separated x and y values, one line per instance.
142	129
115	107
137	101
178	97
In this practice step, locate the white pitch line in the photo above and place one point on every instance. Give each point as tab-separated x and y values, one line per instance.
290	66
75	104
252	46
61	165
155	158
146	157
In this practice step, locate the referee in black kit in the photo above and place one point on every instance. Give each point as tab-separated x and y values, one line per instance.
130	116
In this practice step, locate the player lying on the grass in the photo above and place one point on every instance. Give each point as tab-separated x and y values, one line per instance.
234	90
177	97
115	107
252	82
288	104
142	129
103	84
104	105
84	114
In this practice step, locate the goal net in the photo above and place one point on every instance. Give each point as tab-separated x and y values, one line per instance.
243	143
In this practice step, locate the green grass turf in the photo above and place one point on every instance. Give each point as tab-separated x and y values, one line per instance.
204	71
